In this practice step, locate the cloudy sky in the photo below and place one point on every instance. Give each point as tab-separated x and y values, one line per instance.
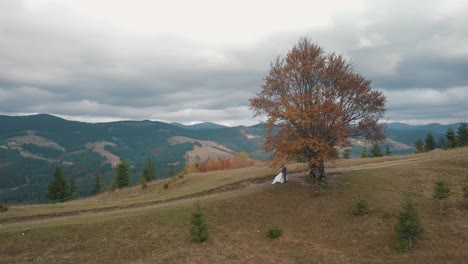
192	61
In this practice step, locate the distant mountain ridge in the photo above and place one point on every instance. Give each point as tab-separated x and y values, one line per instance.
408	134
31	147
433	127
200	126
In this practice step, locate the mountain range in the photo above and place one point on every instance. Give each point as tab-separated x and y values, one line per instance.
32	146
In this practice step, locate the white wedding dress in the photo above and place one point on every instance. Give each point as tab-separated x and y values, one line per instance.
279	178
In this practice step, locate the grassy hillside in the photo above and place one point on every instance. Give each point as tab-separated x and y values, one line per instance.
318	224
190	185
32	146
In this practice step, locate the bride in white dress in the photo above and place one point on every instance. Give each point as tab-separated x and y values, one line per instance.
279	178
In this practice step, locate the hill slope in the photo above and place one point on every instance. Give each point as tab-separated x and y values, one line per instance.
32	146
318	224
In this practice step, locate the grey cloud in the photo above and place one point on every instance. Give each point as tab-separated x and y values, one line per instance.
431	105
431	46
88	70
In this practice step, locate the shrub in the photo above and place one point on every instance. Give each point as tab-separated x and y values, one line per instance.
346	154
364	153
199	230
408	227
181	174
387	215
465	196
402	245
166	185
360	207
441	192
465	191
274	232
302	259
3	208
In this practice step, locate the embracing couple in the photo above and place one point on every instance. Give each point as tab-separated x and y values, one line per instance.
282	176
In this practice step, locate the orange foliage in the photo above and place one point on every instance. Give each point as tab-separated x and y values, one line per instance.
314	102
238	161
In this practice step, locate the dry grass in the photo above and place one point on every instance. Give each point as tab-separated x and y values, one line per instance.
190	185
381	161
318	225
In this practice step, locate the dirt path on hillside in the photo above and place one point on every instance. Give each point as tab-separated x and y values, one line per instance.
17	187
389	163
333	170
230	190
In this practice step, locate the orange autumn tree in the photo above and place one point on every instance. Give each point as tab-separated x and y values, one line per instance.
313	103
241	160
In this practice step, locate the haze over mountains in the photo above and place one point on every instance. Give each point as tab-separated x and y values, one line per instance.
32	146
200	126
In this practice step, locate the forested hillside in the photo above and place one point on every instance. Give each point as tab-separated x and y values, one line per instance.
32	146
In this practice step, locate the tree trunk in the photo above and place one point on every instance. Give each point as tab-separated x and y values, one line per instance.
321	170
317	172
312	170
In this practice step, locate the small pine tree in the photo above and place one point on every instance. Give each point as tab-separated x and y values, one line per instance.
419	145
465	191
360	207
375	150
274	232
346	153
3	208
72	193
144	185
122	177
364	153
149	173
441	192
462	134
465	196
199	229
408	227
387	150
57	190
97	185
442	143
430	143
451	138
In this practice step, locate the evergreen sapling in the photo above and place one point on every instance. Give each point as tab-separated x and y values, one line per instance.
408	227
441	192
199	229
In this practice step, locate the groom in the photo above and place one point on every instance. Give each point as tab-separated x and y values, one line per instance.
284	171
